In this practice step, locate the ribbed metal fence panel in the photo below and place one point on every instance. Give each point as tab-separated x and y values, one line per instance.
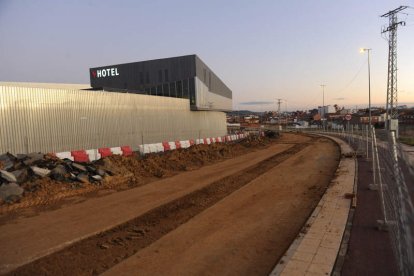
54	120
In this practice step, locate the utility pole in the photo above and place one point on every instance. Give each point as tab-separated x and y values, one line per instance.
279	101
392	95
323	105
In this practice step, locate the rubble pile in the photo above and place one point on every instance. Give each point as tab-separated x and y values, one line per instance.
257	141
18	172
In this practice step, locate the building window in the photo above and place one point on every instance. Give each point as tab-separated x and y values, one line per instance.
159	90
205	76
141	78
185	89
179	86
166	75
192	91
153	91
147	77
209	81
166	90
160	75
173	91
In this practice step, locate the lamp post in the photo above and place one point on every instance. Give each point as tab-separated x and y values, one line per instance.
323	106
369	84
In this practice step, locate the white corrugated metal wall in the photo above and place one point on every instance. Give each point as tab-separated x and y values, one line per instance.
55	120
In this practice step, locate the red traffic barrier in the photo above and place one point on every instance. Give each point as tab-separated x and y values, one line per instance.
104	152
166	146
126	150
191	142
177	144
80	156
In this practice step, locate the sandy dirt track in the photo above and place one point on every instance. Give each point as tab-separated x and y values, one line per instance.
245	233
235	217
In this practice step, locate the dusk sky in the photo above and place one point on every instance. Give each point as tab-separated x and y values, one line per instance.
262	50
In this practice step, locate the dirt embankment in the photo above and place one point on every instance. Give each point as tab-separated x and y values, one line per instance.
128	172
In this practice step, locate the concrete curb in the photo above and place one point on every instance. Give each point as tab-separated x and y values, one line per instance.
316	248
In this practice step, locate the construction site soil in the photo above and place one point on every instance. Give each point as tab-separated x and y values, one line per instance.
238	224
127	172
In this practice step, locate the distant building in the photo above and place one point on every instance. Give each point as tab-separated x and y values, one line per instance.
323	110
345	111
374	119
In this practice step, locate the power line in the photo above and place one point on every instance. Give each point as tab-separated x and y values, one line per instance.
353	79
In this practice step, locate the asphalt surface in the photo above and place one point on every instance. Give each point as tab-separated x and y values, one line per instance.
369	251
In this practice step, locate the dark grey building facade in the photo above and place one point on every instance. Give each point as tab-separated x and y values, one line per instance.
185	77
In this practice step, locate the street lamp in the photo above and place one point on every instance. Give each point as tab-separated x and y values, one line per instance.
369	83
323	106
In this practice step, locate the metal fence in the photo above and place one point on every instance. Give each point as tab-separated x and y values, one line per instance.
53	120
393	178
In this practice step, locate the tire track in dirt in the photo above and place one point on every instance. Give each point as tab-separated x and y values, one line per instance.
96	254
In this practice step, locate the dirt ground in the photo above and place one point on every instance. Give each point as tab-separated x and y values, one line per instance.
238	219
129	172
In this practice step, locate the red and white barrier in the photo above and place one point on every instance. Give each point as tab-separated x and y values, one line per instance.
185	144
80	156
65	155
104	152
93	154
172	145
116	150
199	141
159	147
126	150
96	154
166	146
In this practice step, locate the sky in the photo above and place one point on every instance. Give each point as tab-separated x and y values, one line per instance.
263	50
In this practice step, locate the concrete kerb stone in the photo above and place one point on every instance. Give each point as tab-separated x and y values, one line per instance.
318	244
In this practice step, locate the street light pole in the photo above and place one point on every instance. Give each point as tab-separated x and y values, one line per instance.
369	85
323	105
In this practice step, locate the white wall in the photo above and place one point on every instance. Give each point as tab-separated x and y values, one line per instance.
56	120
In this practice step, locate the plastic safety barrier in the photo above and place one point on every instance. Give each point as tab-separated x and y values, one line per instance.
159	147
172	145
166	146
80	156
177	145
93	154
144	149
116	150
65	155
199	141
126	150
104	152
